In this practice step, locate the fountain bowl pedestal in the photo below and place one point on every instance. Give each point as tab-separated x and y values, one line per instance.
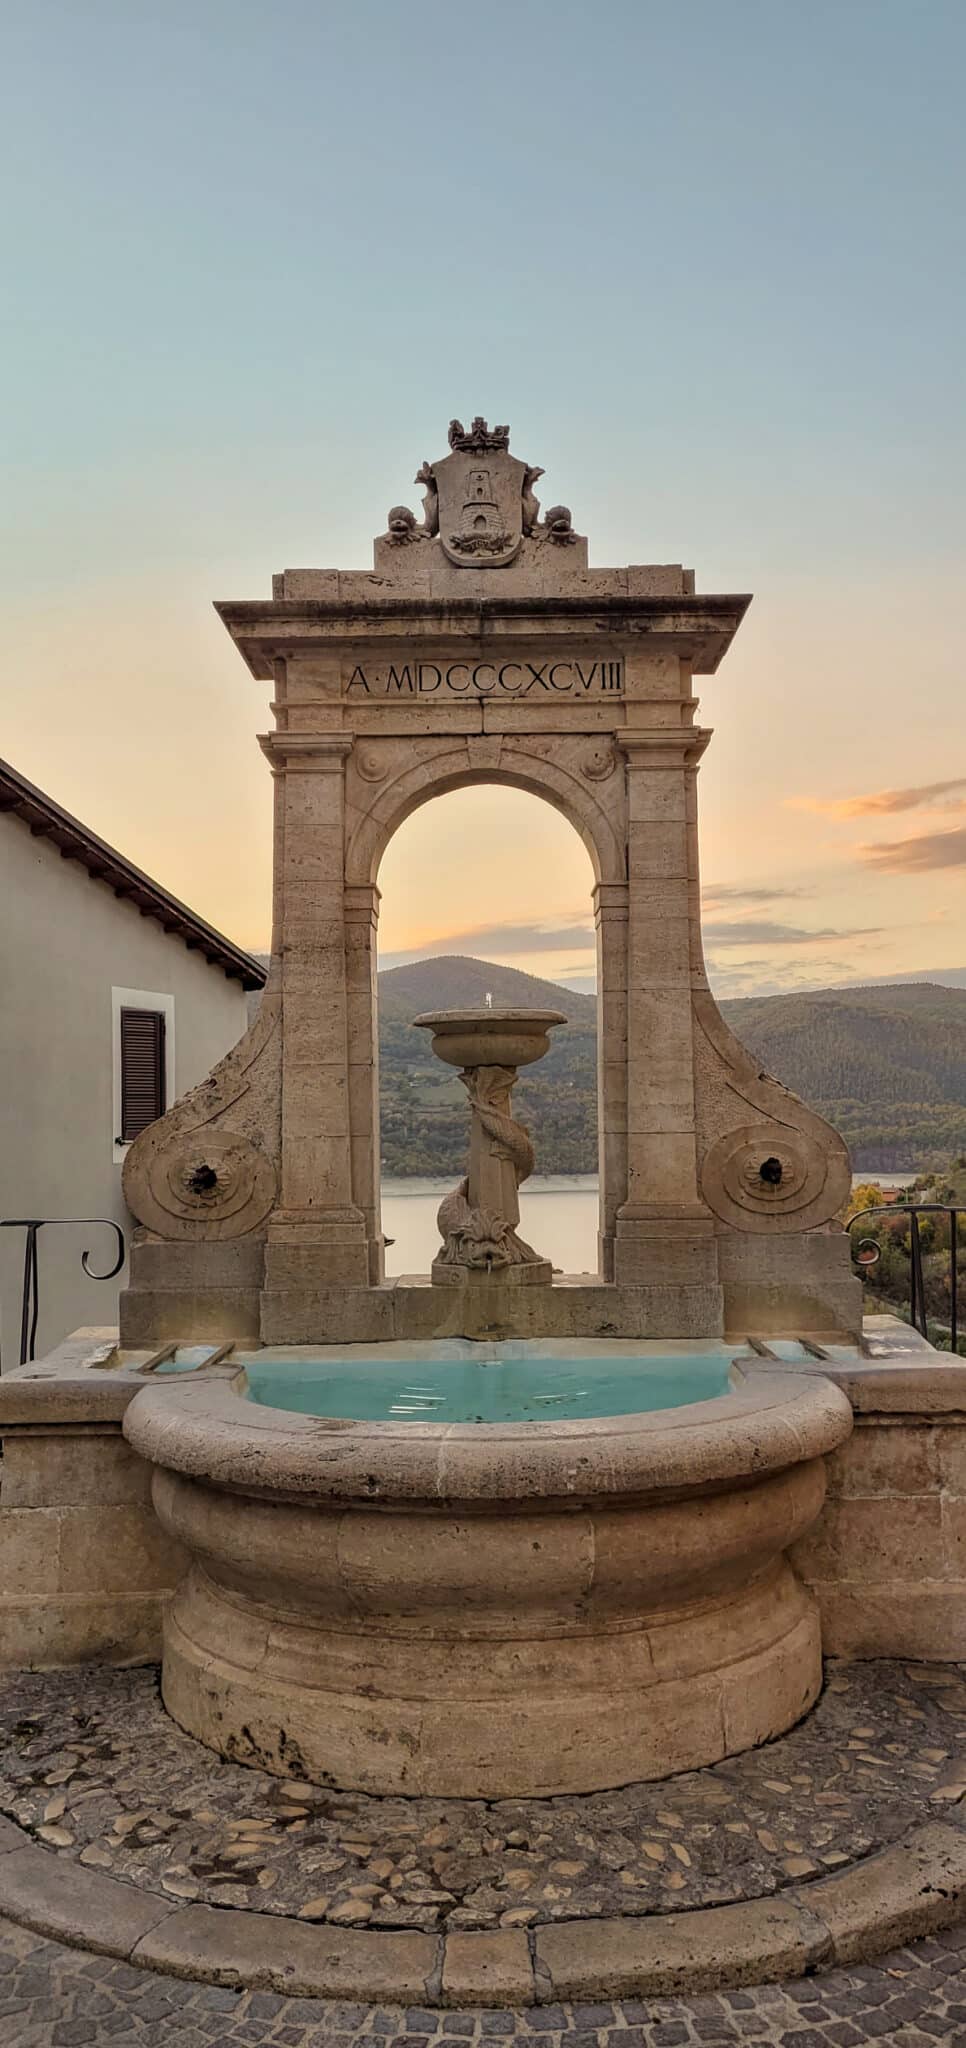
490	1611
479	1221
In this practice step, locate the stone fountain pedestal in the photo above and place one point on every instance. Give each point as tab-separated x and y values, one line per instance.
479	1221
489	1611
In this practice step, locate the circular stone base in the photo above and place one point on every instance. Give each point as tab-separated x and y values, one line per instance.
477	1720
495	1611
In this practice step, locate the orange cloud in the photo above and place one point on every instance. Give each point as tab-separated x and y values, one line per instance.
883	800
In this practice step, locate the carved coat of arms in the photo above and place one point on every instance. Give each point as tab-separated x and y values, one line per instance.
480	492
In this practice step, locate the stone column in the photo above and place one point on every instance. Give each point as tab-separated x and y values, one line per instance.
317	1234
361	921
664	1232
610	918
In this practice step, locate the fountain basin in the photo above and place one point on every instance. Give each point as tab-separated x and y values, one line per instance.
498	1038
517	1382
489	1610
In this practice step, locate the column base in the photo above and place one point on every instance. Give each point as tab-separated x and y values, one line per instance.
661	1251
309	1255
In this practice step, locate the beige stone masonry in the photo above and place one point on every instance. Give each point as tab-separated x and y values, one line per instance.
86	1565
483	648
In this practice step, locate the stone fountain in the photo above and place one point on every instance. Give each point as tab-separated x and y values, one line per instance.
467	1607
478	1222
483	648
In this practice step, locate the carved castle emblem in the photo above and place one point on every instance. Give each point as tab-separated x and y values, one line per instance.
480	497
479	502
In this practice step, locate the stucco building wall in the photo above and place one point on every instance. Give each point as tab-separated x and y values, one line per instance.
66	941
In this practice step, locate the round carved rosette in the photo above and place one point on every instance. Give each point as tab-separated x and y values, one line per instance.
372	763
771	1177
600	761
206	1183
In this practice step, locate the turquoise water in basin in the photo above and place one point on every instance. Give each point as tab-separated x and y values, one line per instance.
521	1389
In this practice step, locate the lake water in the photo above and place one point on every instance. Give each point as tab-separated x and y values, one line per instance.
558	1216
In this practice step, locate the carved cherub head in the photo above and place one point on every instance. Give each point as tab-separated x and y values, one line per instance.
402	525
559	523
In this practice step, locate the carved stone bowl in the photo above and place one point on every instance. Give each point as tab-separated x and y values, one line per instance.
489	1611
490	1038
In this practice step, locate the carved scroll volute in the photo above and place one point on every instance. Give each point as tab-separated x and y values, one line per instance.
770	1177
208	1169
768	1163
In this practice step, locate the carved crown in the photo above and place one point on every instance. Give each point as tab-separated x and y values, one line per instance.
481	439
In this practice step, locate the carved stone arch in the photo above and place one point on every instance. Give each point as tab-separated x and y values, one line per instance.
582	776
436	767
484	648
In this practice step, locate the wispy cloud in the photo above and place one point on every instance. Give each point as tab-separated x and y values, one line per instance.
514	939
510	938
749	932
921	796
728	894
917	855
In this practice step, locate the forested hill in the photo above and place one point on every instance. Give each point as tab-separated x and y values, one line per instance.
423	1113
887	1065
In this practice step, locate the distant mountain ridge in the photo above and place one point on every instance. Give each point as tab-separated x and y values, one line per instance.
886	1063
453	981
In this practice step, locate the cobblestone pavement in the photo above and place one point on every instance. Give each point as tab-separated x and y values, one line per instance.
93	1767
53	1997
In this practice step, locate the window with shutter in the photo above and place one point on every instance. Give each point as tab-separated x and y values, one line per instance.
142	1070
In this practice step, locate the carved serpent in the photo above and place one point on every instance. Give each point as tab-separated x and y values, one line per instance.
510	1140
478	1237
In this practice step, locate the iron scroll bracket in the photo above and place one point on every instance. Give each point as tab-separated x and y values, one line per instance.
30	1288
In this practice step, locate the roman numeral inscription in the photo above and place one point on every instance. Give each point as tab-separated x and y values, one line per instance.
543	680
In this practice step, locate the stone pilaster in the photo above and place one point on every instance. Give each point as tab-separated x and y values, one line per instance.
610	918
317	1234
664	1231
361	922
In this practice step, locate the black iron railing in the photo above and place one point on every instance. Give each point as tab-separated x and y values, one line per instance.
30	1289
867	1252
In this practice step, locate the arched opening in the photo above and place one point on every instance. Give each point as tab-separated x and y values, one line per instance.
487	890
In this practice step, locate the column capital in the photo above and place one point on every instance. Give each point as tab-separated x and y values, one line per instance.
361	902
663	746
305	753
611	897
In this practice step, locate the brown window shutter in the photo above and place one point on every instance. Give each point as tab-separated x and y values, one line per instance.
142	1070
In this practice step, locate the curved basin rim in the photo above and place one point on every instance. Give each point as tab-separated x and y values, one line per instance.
776	1420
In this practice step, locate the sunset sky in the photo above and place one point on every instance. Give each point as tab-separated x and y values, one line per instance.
707	260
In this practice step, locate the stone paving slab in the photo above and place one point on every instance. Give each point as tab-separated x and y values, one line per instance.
92	1767
56	1997
254	1949
918	1885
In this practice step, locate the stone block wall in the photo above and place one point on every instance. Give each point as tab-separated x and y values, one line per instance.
85	1566
887	1558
